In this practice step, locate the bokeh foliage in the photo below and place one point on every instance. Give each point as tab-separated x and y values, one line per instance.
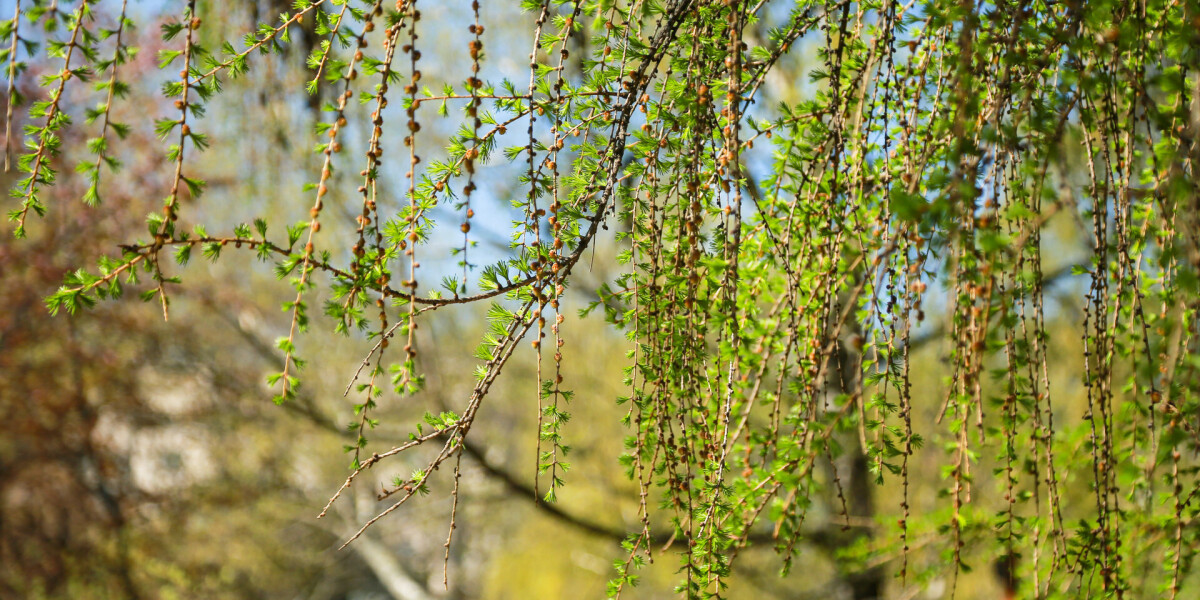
790	204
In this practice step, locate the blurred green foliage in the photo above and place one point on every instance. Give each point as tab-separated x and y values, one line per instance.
933	336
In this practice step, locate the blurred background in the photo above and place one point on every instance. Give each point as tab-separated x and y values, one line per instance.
144	459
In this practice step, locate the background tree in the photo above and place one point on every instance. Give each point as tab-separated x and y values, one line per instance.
769	246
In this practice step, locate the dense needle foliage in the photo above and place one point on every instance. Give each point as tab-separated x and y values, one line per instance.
780	255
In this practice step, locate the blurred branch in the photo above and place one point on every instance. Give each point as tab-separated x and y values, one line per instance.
525	491
389	571
304	405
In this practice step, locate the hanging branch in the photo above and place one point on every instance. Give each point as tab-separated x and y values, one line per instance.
810	206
